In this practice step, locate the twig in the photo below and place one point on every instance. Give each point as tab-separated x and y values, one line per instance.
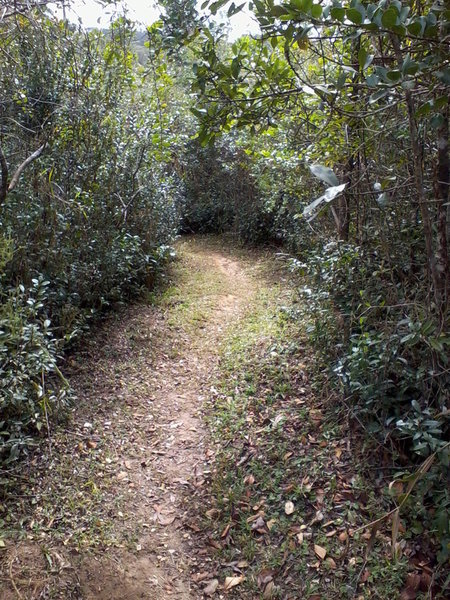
11	578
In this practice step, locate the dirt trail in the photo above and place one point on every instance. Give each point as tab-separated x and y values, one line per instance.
142	382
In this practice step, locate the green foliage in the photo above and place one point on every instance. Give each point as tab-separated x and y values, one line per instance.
353	96
93	214
345	111
31	385
221	193
180	20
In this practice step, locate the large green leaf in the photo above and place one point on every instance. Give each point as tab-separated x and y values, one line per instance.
354	15
389	18
338	13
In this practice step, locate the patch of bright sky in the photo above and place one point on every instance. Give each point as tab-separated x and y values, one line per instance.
93	14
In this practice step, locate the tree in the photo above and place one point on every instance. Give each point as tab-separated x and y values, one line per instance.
356	62
180	20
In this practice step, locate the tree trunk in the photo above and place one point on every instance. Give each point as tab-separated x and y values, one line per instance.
441	186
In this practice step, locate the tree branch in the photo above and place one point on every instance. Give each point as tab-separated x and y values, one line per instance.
15	178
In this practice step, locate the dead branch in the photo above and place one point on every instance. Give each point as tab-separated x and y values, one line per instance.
15	178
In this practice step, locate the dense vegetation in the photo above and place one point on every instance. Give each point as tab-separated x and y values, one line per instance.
326	135
89	200
353	96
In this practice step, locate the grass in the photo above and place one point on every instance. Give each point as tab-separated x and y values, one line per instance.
191	299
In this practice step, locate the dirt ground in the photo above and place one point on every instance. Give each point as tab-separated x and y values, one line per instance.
109	517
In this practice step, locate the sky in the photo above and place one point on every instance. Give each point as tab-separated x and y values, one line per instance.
92	14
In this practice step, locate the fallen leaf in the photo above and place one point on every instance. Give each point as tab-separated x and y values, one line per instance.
320	551
425	581
289	507
365	576
317	517
270	524
269	590
226	531
255	517
197	577
316	416
396	488
259	525
264	577
231	582
211	587
277	420
343	536
331	563
413	581
165	519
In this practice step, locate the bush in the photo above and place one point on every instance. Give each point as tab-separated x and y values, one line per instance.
91	219
31	385
222	195
389	359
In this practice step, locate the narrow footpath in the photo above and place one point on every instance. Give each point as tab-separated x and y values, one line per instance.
108	513
201	459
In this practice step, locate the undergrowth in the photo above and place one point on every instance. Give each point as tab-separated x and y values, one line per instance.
295	483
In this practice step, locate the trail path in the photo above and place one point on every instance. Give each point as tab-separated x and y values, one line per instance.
138	440
199	461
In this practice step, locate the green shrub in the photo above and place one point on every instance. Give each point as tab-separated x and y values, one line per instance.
91	219
31	385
